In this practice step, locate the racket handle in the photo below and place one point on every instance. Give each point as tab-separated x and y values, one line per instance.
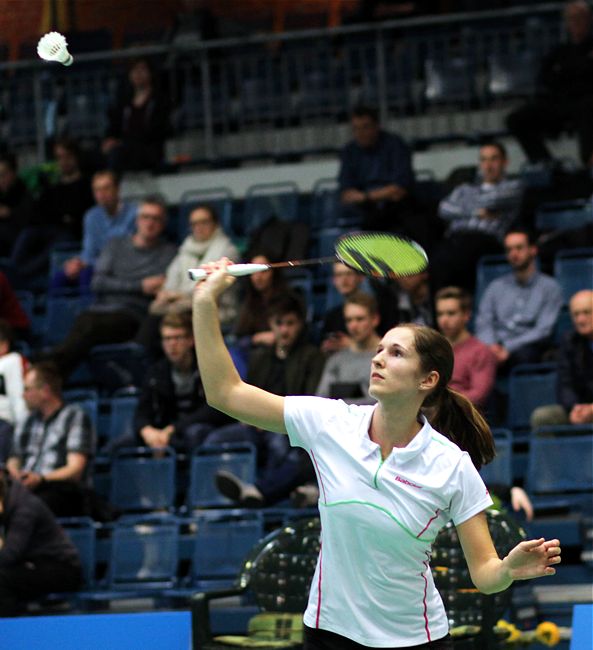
236	270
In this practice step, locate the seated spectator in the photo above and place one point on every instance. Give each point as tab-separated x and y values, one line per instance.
172	410
575	370
408	299
52	449
346	374
207	242
292	366
253	325
138	123
16	204
474	372
129	272
58	214
12	405
11	310
478	214
565	92
347	282
518	311
36	556
376	178
110	217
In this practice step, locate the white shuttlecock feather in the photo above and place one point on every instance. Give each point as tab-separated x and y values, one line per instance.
53	47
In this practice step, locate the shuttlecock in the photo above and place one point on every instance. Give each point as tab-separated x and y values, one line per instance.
53	47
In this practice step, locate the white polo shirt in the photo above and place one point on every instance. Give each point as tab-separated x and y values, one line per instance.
379	518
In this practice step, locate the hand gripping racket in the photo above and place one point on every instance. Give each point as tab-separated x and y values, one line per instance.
378	254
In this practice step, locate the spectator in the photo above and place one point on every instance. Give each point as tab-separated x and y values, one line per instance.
129	273
575	370
52	449
347	282
253	324
172	410
138	123
408	299
376	178
12	405
16	204
478	214
290	367
565	93
11	310
474	371
518	311
58	214
110	217
346	374
36	556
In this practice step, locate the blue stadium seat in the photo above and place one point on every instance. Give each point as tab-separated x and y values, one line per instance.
81	531
489	268
267	200
239	459
143	479
449	81
499	471
512	75
119	365
564	215
60	314
121	417
574	270
530	385
325	204
219	198
560	469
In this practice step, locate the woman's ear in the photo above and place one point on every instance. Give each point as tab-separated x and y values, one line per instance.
430	381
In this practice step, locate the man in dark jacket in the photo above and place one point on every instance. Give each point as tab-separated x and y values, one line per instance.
36	557
565	91
172	410
575	370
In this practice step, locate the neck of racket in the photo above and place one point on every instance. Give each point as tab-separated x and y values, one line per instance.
309	262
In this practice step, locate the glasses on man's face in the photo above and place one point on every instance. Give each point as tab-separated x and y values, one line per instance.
147	216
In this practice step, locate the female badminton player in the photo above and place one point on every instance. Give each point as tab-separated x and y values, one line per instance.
388	482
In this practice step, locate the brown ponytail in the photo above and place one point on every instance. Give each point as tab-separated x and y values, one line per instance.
451	413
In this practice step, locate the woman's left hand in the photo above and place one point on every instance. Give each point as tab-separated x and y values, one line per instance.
533	559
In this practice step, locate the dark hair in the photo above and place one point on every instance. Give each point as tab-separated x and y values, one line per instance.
208	208
70	145
363	299
6	332
455	293
178	319
9	159
365	111
522	230
286	303
454	415
108	172
497	145
156	199
47	373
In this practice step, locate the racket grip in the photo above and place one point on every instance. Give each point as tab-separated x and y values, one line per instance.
236	270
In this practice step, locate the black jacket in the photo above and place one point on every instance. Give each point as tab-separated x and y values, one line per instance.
575	371
157	405
31	532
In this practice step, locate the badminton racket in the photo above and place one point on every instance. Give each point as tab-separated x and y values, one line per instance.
378	254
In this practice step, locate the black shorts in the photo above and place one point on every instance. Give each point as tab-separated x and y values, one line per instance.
316	639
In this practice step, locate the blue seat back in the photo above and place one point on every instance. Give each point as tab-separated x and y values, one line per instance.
499	471
564	215
81	531
489	268
143	479
325	204
574	271
206	461
121	417
144	554
267	200
61	312
530	385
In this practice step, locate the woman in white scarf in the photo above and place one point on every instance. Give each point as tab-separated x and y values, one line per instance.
207	242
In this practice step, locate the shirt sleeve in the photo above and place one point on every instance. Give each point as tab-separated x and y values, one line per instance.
81	435
469	493
303	417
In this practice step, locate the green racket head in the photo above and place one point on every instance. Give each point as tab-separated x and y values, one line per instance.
381	254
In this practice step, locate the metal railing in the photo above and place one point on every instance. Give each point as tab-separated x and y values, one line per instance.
219	89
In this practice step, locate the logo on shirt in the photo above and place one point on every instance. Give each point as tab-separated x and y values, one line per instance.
406	482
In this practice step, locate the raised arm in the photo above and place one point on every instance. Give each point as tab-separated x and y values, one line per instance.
530	559
224	389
